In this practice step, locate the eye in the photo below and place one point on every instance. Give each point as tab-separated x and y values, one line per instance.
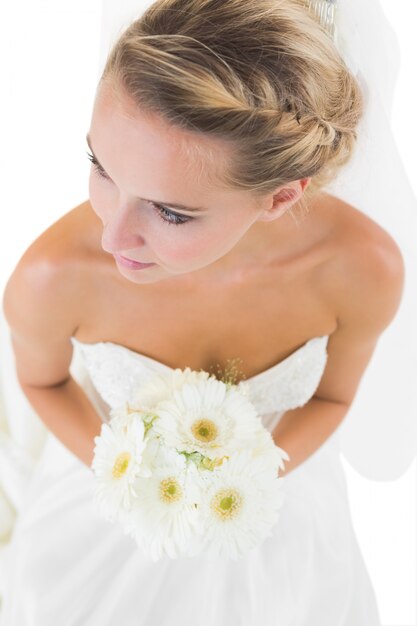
168	216
97	166
163	212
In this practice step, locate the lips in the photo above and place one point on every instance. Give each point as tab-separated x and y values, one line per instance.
130	263
135	260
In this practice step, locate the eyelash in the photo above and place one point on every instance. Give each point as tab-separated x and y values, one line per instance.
159	208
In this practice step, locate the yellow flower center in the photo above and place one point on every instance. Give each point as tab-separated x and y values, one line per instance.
121	464
226	504
170	490
204	430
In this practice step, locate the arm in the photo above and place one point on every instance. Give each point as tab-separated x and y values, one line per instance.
66	411
301	431
367	294
40	303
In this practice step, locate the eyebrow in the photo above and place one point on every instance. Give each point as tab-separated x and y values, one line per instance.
181	207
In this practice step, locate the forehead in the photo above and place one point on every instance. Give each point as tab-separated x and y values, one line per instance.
146	139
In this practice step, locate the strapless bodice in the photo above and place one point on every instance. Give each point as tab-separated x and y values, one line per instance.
115	370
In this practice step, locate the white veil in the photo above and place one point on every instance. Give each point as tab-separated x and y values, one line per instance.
379	434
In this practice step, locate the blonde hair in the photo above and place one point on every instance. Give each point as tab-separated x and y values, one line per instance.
262	75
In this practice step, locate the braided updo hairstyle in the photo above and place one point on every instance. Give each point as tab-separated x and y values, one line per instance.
262	75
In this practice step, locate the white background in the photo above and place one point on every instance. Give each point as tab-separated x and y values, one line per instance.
49	55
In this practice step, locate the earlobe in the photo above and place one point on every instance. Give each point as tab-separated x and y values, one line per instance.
276	211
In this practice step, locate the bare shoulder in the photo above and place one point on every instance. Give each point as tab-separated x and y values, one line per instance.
362	281
54	263
364	276
41	300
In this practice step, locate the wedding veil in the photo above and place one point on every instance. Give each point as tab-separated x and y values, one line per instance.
378	436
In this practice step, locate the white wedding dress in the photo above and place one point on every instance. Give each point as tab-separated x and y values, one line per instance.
66	565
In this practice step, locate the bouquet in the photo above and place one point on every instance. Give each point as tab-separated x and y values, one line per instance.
186	467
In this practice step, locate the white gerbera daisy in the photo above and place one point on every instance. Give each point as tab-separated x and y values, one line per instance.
241	505
118	460
160	387
207	417
165	520
151	391
264	445
187	376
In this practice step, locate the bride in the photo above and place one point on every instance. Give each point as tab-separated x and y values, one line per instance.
207	236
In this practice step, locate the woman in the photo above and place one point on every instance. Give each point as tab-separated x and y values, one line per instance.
225	121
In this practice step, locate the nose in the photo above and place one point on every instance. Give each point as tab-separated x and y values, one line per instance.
122	231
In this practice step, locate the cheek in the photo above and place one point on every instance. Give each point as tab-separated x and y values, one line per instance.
195	244
182	247
102	198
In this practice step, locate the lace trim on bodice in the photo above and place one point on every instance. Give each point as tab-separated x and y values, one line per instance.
115	370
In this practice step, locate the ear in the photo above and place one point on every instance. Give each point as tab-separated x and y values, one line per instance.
278	203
